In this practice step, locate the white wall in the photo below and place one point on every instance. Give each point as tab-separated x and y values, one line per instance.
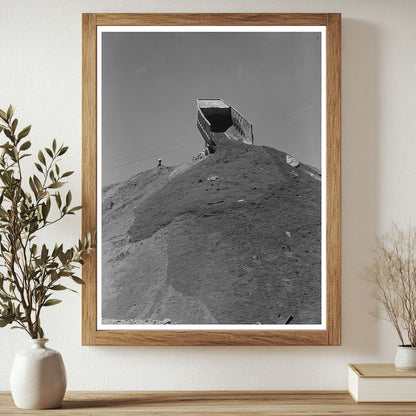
40	73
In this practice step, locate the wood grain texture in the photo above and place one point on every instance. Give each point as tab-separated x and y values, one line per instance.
213	338
380	371
89	173
268	403
333	180
330	336
212	19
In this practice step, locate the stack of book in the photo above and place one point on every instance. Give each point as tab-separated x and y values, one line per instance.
381	383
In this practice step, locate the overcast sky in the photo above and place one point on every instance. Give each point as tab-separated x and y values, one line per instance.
151	82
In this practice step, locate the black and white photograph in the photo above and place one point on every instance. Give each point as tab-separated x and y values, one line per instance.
211	206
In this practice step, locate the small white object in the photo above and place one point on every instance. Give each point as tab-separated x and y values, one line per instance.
287	233
38	377
405	358
240	200
292	161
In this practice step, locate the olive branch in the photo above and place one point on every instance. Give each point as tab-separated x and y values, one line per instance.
31	274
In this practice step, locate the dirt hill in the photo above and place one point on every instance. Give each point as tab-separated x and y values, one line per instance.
232	239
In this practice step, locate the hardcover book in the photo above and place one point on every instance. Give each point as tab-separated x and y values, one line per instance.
381	383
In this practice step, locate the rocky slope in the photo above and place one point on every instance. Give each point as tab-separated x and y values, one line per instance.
232	239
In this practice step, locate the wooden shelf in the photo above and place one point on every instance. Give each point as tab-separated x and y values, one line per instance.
212	403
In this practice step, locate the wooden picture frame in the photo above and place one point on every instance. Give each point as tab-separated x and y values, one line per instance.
331	334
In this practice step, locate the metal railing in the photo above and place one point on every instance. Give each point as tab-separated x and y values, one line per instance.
204	127
243	126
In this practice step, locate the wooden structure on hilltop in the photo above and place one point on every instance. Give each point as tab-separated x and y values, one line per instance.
216	116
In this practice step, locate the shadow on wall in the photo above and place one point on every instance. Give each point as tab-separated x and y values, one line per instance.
360	180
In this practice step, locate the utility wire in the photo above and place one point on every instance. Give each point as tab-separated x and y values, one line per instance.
146	158
149	145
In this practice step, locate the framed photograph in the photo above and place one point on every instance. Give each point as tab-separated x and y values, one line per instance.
211	172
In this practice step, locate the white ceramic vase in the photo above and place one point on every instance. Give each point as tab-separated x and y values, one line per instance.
38	378
405	358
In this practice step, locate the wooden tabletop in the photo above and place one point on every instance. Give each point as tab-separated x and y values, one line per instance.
212	403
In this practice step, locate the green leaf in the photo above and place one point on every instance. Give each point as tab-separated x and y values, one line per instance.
62	257
76	279
37	183
51	302
34	249
41	157
54	145
24	132
59	287
39	167
8	133
68	198
10	112
49	151
45	211
77	208
33	187
55	251
3	115
34	226
44	253
63	150
56	185
6	145
58	199
25	145
67	174
40	332
5	321
14	125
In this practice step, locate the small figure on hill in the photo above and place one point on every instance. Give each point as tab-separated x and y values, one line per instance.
159	163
